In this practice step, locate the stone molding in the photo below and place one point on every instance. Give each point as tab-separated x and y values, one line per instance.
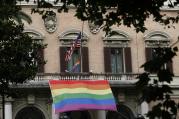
68	36
34	34
117	38
157	39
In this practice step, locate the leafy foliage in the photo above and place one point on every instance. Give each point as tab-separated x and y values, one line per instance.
10	11
157	89
116	12
18	51
22	16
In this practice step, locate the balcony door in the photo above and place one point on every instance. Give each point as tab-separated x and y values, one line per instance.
117	60
117	53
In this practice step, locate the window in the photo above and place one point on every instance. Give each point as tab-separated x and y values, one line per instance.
156	39
30	113
117	60
41	60
36	35
151	53
66	39
117	54
74	59
67	65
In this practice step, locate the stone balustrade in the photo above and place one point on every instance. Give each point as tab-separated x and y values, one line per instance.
86	76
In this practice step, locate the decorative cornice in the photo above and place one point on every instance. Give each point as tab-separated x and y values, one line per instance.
117	37
68	36
157	39
34	34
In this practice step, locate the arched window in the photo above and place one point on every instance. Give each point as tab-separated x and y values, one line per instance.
37	35
117	53
67	38
30	113
156	39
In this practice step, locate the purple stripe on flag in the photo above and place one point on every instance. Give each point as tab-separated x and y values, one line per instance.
85	107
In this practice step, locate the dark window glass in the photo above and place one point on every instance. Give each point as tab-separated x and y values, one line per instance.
68	66
71	64
117	60
151	53
30	113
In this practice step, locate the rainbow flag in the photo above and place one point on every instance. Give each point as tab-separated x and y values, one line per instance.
76	67
71	95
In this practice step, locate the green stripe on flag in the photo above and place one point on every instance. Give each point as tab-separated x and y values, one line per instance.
81	95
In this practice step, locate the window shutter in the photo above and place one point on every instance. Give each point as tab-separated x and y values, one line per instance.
148	54
170	66
85	59
128	62
62	59
40	61
107	59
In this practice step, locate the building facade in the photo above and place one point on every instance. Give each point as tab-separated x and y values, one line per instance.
115	57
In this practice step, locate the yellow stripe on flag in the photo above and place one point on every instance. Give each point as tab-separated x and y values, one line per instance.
56	92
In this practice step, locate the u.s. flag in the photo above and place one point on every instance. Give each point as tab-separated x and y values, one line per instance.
77	41
76	44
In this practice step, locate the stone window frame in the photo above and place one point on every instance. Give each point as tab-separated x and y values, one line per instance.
34	34
118	39
66	38
37	35
152	39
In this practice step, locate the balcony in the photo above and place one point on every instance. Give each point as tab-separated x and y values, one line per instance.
86	76
41	80
115	80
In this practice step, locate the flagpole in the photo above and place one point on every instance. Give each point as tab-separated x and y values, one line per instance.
81	57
